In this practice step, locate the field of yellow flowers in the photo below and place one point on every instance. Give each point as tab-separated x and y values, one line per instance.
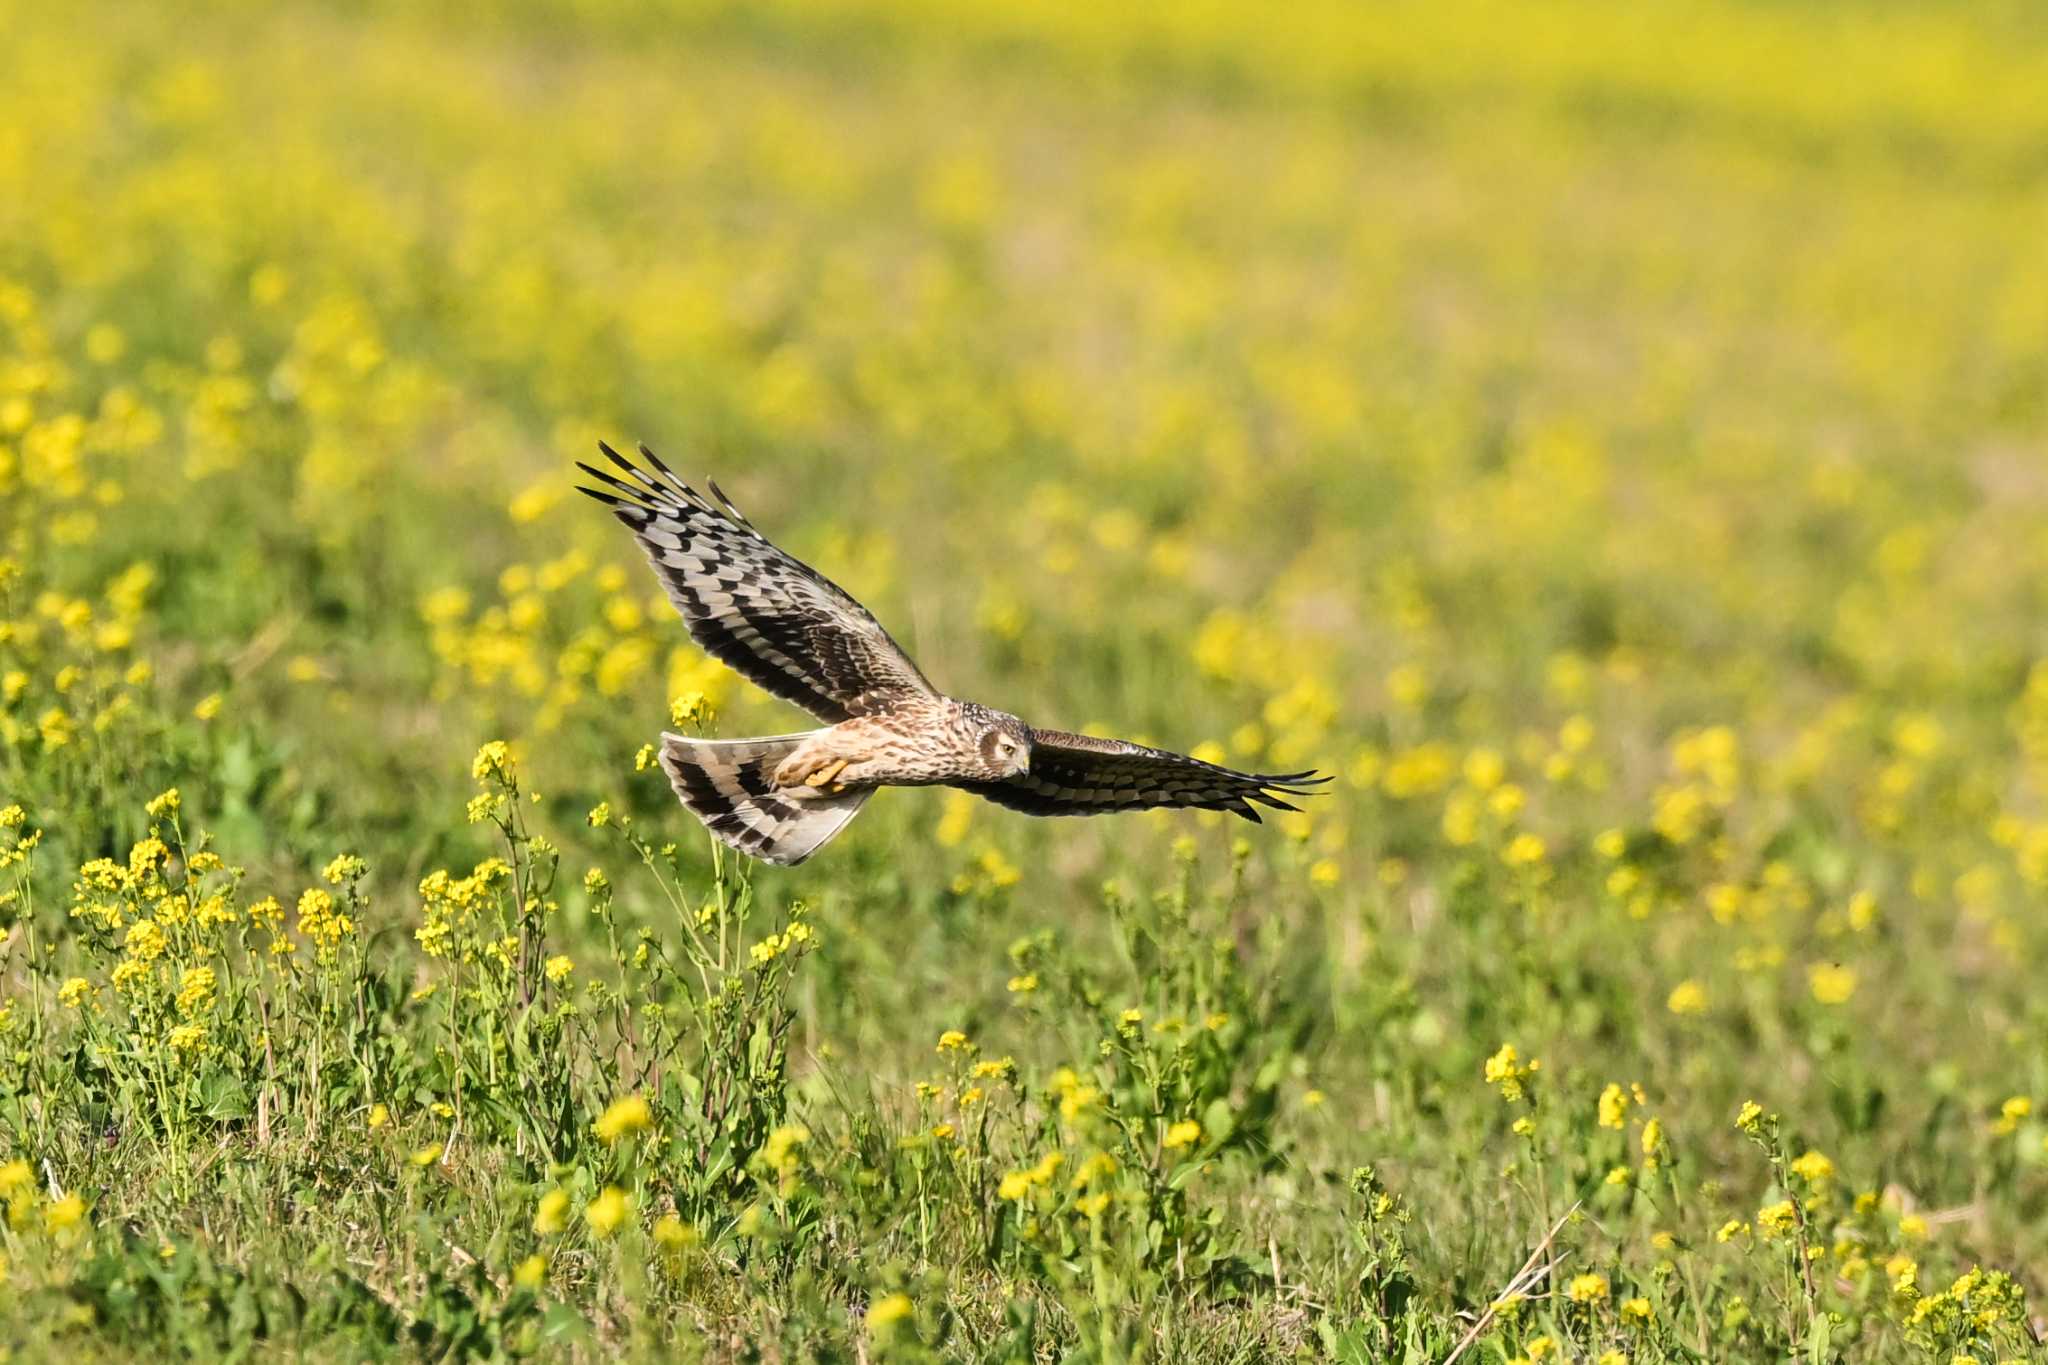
1612	438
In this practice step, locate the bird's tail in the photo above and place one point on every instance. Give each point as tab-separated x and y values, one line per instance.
729	784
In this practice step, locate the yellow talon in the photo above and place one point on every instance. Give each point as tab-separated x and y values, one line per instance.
825	774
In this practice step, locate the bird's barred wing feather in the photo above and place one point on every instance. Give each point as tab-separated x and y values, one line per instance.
1083	775
767	614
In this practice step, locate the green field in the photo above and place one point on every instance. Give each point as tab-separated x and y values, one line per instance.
1612	439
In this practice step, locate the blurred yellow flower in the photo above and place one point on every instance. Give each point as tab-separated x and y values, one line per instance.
673	1236
1687	998
608	1211
885	1313
626	1115
1613	1106
64	1214
1813	1167
551	1215
1831	983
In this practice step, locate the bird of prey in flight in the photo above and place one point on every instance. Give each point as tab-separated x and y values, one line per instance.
790	629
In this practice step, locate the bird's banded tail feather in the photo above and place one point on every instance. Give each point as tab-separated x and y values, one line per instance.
729	784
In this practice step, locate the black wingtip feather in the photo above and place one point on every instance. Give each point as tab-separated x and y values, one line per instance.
647	454
633	491
725	502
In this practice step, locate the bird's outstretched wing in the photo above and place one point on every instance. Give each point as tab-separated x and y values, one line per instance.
767	614
1083	775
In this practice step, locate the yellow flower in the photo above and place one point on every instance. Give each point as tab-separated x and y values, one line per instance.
2011	1112
1831	983
629	1114
1776	1220
164	803
558	968
195	990
378	1117
64	1214
1613	1107
493	762
692	708
1523	850
1635	1310
780	1153
551	1215
1183	1134
886	1312
428	1155
74	992
320	922
532	1272
1653	1144
607	1211
208	707
344	867
1587	1288
673	1236
1751	1118
1687	997
16	1176
1506	1070
145	941
953	1040
1812	1167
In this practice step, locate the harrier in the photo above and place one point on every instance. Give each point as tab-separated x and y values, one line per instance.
785	626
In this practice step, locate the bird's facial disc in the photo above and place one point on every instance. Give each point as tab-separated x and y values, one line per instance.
1007	754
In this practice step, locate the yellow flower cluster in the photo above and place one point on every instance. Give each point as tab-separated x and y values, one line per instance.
1506	1070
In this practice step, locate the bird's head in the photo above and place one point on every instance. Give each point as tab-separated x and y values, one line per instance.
1004	743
